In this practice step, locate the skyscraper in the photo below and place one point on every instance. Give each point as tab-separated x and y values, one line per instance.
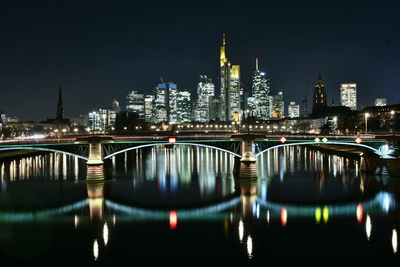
148	108
261	91
160	103
279	105
164	105
230	85
319	96
184	106
348	95
205	92
135	103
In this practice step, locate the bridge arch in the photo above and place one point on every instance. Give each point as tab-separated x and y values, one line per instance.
178	143
376	151
41	149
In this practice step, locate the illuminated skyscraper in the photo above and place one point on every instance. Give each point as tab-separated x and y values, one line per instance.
319	96
148	108
164	105
184	106
160	103
348	95
205	92
60	106
230	86
261	92
135	103
278	106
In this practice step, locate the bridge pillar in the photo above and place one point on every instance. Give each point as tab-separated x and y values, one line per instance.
95	153
248	166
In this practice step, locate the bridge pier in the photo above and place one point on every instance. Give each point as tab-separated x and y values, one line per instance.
248	165
95	164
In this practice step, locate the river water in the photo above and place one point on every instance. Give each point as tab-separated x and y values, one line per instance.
182	205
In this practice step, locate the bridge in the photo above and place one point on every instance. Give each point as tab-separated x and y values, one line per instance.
244	147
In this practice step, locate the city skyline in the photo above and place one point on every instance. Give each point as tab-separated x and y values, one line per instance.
32	73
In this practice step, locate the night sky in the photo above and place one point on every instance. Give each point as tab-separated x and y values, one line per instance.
98	50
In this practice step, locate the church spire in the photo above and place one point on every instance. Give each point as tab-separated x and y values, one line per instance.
60	106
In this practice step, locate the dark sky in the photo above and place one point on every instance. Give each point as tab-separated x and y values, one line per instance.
98	50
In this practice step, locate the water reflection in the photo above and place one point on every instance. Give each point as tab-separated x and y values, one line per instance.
168	193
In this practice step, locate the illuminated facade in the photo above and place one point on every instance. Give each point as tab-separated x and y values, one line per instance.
164	104
148	108
261	104
230	86
184	106
205	93
293	110
319	96
380	102
135	103
278	106
348	95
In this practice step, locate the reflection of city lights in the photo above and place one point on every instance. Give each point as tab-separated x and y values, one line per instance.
283	216
105	234
250	247
267	216
318	215
368	226
241	230
359	213
173	219
76	220
114	219
325	214
394	241
95	249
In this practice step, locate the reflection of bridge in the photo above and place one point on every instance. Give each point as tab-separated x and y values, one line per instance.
246	147
251	207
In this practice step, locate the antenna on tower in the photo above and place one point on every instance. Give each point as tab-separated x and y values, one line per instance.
257	63
162	80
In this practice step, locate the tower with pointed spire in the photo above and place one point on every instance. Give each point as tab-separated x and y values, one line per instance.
60	106
230	85
319	96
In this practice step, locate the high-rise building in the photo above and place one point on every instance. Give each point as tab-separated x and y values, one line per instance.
293	110
216	108
261	91
319	96
205	92
379	102
184	106
148	108
279	105
348	95
164	104
94	122
115	105
172	115
135	103
230	86
160	103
